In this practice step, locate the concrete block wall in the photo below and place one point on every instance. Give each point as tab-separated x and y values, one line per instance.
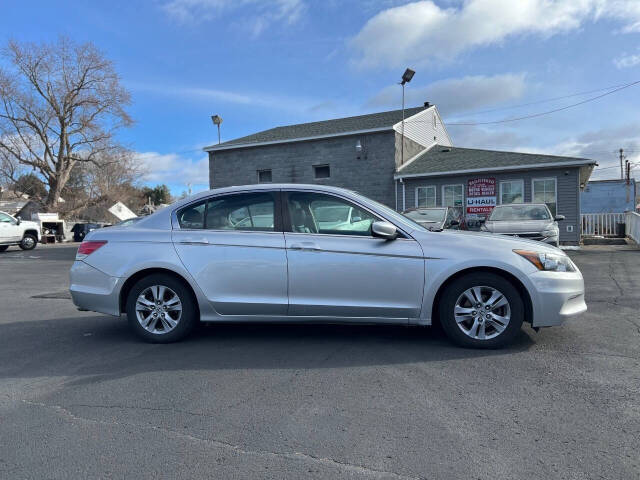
370	175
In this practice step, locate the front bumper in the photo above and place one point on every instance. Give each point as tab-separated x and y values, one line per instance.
92	289
559	295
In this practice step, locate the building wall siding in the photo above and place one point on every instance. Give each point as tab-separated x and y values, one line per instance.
610	196
425	128
567	188
293	163
411	149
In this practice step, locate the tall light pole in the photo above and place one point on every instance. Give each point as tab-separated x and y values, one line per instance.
217	120
406	78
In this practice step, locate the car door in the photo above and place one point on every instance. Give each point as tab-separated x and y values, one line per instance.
9	229
234	248
337	269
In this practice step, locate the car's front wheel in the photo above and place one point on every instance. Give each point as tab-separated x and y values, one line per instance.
28	242
161	309
481	310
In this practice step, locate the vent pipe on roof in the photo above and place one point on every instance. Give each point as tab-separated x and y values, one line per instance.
427	104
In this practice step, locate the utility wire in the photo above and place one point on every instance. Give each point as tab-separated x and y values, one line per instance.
539	114
547	100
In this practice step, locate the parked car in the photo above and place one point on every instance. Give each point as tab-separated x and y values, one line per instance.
80	230
527	220
437	218
127	222
206	258
15	231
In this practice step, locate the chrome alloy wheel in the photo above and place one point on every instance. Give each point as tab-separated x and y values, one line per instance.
482	313
28	242
158	309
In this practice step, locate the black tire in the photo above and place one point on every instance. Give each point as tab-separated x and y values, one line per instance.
480	279
185	323
3	248
28	242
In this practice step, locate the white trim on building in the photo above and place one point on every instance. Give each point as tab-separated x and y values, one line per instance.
572	163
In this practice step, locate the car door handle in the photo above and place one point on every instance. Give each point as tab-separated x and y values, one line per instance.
310	246
194	241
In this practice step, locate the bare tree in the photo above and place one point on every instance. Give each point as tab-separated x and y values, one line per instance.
60	105
101	184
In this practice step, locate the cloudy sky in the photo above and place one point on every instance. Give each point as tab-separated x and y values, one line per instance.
263	63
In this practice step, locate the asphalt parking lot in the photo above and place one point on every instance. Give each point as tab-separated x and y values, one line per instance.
81	398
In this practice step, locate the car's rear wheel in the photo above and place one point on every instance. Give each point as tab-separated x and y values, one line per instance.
481	310
161	309
3	248
28	242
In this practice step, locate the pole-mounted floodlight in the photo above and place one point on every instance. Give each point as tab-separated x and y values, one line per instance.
406	78
217	120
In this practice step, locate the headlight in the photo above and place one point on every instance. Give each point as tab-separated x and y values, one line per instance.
549	262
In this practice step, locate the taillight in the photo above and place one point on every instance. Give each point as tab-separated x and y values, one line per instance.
89	246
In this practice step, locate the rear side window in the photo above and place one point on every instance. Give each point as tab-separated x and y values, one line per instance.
192	216
245	212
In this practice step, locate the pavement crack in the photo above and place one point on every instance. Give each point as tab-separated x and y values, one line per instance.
64	412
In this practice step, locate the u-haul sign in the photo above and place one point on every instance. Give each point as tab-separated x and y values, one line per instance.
481	197
480	205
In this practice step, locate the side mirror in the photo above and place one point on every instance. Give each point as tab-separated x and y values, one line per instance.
559	218
454	223
384	230
19	219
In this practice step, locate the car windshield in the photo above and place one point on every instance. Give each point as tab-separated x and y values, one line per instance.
520	212
427	215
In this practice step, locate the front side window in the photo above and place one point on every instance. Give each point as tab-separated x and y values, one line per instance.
326	214
4	218
452	195
512	191
246	212
544	191
426	197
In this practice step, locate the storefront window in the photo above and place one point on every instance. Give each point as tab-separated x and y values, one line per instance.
544	191
453	195
511	191
426	197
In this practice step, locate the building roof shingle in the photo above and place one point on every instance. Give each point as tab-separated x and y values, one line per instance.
444	160
324	128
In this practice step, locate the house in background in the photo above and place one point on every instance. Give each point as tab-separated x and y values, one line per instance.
608	196
403	165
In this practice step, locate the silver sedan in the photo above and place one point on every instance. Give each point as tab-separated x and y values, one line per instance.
309	253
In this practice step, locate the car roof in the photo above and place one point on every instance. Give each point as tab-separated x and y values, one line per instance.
522	205
264	186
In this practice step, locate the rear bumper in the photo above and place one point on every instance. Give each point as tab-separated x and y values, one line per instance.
559	296
94	290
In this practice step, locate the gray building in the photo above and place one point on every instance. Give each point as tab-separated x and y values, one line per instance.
367	153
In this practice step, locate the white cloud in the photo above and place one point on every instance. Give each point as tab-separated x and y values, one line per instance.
171	168
627	60
455	95
263	14
422	31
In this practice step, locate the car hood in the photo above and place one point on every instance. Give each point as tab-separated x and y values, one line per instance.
474	241
520	226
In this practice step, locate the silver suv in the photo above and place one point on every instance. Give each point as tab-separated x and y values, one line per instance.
527	220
